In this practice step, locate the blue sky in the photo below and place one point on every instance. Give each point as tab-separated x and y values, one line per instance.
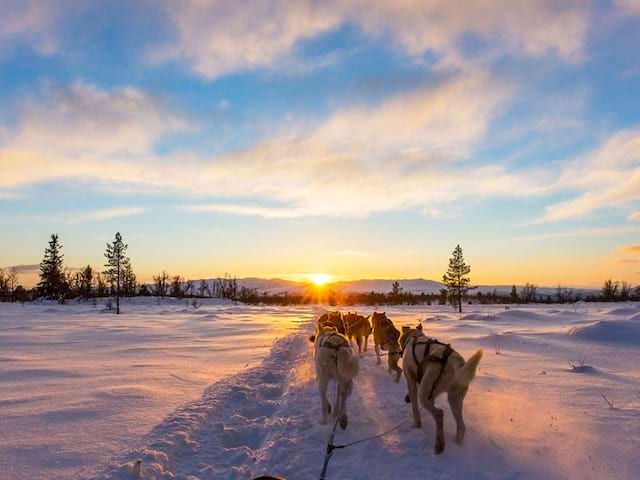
357	138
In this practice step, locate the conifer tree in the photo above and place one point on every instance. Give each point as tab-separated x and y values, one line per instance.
456	279
117	262
52	283
514	294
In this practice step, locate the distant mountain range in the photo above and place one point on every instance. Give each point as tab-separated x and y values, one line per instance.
414	285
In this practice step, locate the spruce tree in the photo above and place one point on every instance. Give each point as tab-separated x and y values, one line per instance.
456	279
52	279
117	264
514	294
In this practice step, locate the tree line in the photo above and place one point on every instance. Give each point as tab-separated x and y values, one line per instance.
118	280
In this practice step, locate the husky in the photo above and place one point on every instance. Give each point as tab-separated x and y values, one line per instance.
432	368
385	337
333	319
334	359
358	328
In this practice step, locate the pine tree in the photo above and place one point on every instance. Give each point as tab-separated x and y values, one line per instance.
52	278
456	279
514	294
117	262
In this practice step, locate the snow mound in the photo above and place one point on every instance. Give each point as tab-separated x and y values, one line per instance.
622	311
520	315
635	317
621	331
477	317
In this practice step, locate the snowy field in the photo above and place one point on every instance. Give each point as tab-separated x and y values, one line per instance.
78	385
84	394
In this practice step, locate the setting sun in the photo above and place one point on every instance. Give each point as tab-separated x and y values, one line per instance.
319	279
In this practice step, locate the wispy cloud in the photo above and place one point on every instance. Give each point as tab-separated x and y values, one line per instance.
628	6
25	269
215	38
630	249
624	261
104	214
400	153
32	21
92	216
634	216
608	176
249	210
579	232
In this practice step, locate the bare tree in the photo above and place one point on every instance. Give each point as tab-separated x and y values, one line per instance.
529	293
625	291
12	282
160	283
176	287
610	290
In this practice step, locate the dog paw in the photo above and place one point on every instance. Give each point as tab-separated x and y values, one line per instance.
459	441
417	425
439	448
407	398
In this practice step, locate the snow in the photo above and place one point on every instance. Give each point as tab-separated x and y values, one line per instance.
78	385
79	405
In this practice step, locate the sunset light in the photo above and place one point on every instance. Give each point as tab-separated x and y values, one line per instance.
241	238
320	279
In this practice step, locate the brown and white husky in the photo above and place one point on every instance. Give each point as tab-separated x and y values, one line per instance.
385	337
432	368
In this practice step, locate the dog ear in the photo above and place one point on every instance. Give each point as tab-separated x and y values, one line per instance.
419	327
405	328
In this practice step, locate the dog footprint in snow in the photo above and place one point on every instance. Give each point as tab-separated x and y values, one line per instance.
250	437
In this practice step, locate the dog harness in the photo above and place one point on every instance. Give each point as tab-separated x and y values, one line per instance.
324	342
428	357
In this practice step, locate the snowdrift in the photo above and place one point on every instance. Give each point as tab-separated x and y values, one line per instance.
620	331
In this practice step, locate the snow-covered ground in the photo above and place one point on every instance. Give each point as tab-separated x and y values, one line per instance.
77	387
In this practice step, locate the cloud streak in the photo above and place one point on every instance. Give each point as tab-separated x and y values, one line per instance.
630	249
400	153
606	177
215	39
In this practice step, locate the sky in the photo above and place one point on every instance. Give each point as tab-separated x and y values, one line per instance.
362	139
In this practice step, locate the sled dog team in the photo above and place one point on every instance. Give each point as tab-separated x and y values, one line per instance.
430	367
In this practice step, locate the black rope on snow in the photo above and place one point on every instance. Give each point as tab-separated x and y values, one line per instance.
331	446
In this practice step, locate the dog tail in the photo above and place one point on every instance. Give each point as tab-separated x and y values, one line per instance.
348	363
312	338
468	371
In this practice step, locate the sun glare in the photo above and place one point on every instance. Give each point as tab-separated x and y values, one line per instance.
319	279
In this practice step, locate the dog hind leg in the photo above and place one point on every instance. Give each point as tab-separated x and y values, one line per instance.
438	416
323	382
456	399
412	386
